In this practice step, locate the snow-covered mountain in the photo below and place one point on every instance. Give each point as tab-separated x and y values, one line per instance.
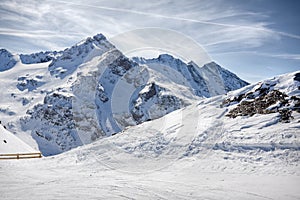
212	133
211	149
60	100
208	80
208	143
7	60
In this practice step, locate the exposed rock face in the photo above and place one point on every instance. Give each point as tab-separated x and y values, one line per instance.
40	57
152	103
264	100
7	60
25	82
101	94
297	77
121	65
206	81
94	91
52	124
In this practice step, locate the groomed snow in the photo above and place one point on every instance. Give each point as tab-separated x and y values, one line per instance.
192	153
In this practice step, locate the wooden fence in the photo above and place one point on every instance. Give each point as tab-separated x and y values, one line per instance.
20	155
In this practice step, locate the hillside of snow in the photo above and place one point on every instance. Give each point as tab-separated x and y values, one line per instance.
56	101
9	143
197	152
113	127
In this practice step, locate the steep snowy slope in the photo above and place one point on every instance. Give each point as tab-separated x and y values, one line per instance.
204	129
60	100
9	143
208	80
197	152
220	80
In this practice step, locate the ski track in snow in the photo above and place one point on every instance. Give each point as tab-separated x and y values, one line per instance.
107	169
195	152
39	180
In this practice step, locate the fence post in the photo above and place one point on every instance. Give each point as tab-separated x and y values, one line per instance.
20	155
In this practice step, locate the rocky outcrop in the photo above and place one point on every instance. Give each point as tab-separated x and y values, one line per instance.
154	102
52	124
7	60
263	100
40	57
29	83
121	65
94	91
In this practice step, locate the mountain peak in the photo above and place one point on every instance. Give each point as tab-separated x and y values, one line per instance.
192	63
99	37
96	39
3	51
79	53
212	64
7	60
165	57
102	88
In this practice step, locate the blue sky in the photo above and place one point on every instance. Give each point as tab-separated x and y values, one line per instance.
256	39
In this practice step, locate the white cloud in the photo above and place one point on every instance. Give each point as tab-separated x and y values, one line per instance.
288	56
58	24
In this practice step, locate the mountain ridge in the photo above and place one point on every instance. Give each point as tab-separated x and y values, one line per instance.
91	90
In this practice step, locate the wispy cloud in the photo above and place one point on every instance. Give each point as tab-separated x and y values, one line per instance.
290	56
206	21
219	26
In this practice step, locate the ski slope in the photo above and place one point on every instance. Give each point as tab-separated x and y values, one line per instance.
61	102
192	153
